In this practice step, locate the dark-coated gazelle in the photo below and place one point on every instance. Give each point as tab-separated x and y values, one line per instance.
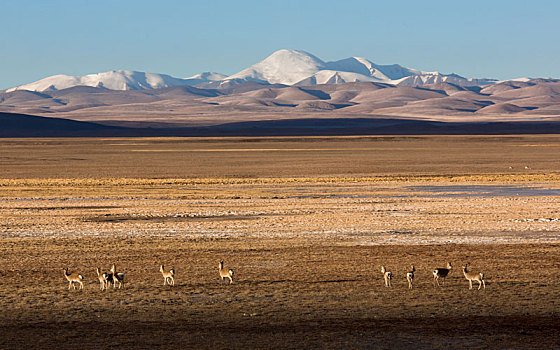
441	273
117	277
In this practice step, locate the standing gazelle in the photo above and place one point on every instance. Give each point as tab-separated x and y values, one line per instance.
442	273
103	279
473	276
117	277
168	275
410	276
74	277
387	275
225	273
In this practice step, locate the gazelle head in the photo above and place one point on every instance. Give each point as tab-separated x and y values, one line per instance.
449	265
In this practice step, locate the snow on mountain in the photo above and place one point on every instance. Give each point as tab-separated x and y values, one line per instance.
117	80
287	67
521	79
327	76
282	67
294	67
366	67
436	77
205	77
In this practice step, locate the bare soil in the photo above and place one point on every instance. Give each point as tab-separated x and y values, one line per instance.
287	293
305	232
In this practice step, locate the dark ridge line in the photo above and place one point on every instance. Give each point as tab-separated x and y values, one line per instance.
22	125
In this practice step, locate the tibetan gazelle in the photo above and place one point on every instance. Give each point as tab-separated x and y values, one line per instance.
387	275
441	273
410	276
117	277
168	275
103	279
224	273
74	277
473	276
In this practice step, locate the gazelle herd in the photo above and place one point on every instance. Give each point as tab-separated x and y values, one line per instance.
113	277
440	272
117	278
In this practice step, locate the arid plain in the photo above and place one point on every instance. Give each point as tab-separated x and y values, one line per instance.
305	223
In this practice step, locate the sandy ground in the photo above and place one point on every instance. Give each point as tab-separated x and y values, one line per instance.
305	239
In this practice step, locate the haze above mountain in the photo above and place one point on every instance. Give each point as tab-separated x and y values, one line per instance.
286	67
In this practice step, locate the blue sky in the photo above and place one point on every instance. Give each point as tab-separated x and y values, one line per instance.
492	38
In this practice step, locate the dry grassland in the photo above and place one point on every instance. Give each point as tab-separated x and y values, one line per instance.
305	226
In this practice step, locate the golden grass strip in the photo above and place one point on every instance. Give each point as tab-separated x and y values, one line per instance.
110	182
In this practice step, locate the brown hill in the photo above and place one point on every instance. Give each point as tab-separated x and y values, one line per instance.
501	108
239	102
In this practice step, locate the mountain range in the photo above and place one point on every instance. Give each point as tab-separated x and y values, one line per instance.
286	67
287	88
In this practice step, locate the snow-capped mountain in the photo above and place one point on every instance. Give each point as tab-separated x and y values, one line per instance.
294	67
366	67
287	67
117	80
205	77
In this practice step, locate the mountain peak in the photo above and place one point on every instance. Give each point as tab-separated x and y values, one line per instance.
283	67
297	55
